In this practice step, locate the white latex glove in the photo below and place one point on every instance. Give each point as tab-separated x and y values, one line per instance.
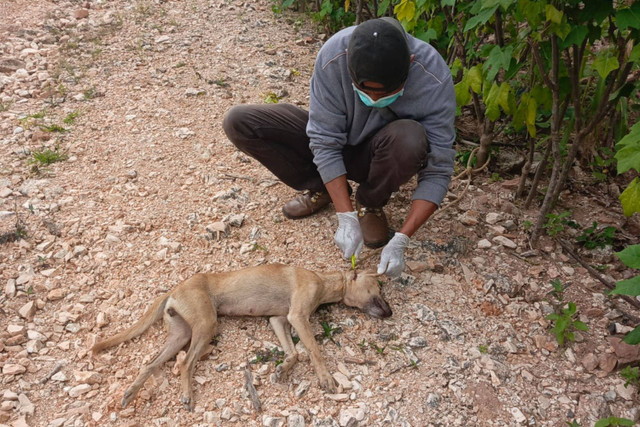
392	258
349	234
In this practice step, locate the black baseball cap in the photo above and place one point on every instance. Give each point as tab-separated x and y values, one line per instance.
378	51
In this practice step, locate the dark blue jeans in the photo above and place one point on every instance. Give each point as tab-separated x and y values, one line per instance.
275	135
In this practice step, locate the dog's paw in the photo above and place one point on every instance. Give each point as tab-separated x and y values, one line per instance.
186	401
128	396
328	383
282	370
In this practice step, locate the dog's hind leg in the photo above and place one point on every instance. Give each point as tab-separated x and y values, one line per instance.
203	323
282	328
179	336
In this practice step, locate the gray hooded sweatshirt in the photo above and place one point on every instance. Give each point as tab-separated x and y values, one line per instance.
337	117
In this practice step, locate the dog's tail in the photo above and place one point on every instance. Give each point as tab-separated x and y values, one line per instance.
148	318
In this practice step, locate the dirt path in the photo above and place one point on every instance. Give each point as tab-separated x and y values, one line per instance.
139	89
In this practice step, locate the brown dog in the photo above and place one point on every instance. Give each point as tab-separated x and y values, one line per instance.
287	294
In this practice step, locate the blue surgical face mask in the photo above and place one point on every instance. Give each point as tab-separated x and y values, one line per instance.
381	102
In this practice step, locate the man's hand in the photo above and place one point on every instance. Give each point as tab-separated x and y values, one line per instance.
392	258
349	235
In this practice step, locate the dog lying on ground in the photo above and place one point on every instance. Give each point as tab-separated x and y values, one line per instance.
288	295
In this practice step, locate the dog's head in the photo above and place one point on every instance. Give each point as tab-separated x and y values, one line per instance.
363	292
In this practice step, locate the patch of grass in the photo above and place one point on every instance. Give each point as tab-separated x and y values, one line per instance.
53	128
271	98
495	177
5	106
631	376
29	120
263	356
47	156
70	118
90	93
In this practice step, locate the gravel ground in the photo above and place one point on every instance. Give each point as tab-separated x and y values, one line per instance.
129	96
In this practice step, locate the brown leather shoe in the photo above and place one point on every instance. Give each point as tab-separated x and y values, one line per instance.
306	204
375	229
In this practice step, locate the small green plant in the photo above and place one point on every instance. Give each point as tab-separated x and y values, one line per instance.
179	65
328	330
526	224
219	82
495	177
29	290
483	349
463	158
5	106
271	98
630	257
379	350
556	223
53	128
90	93
613	422
70	118
602	165
28	121
558	289
593	238
47	157
266	355
564	324
631	376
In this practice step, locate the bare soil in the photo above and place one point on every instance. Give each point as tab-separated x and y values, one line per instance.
146	177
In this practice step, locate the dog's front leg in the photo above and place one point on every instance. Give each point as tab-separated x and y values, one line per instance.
282	328
302	326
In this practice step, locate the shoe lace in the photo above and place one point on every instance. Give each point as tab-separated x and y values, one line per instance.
363	210
312	196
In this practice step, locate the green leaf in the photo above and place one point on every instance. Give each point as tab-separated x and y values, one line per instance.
605	63
630	198
444	3
630	17
497	58
491	101
405	11
463	96
596	11
630	256
480	18
635	53
383	7
629	287
475	78
530	118
575	37
552	14
581	326
633	337
503	97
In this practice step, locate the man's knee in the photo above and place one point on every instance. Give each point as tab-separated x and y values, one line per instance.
232	120
410	139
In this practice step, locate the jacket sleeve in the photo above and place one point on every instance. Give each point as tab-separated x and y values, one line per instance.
327	126
435	175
